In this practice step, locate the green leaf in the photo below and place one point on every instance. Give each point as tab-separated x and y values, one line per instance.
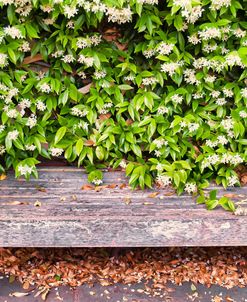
60	134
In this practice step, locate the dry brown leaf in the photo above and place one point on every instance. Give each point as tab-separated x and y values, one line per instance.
30	59
127	200
18	295
85	89
244	178
3	176
231	195
16	203
122	186
37	203
89	142
41	189
104	117
26	285
153	195
217	299
44	294
87	187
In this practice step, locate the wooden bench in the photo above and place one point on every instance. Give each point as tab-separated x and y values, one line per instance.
54	211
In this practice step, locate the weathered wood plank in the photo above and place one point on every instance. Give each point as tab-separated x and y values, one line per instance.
69	216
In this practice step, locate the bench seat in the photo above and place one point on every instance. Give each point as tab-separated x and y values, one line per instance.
60	210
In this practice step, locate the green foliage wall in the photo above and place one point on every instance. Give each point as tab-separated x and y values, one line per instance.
156	87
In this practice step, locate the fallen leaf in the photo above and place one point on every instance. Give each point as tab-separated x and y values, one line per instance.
37	203
44	294
89	142
217	299
32	59
87	187
3	176
153	195
231	195
85	89
26	285
193	287
15	203
18	295
41	189
127	200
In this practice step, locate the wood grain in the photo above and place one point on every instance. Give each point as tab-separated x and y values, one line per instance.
72	217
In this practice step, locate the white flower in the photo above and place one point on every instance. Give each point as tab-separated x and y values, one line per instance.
123	164
193	127
165	48
149	81
190	188
234	59
170	68
232	181
157	153
239	33
221	101
25	47
13	32
96	40
215	94
88	61
25	103
198	95
25	170
182	3
2	127
119	16
13	135
70	11
12	113
45	88
192	14
41	106
243	114
210	79
78	112
149	53
97	181
70	24
163	180
228	92
3	60
218	4
160	142
57	54
129	78
99	74
56	151
83	43
227	124
68	59
222	140
32	121
162	110
30	147
176	98
82	75
190	77
211	144
48	21
244	92
194	39
209	33
2	149
151	2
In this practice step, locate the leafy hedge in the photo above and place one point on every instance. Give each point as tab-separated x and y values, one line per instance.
156	87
